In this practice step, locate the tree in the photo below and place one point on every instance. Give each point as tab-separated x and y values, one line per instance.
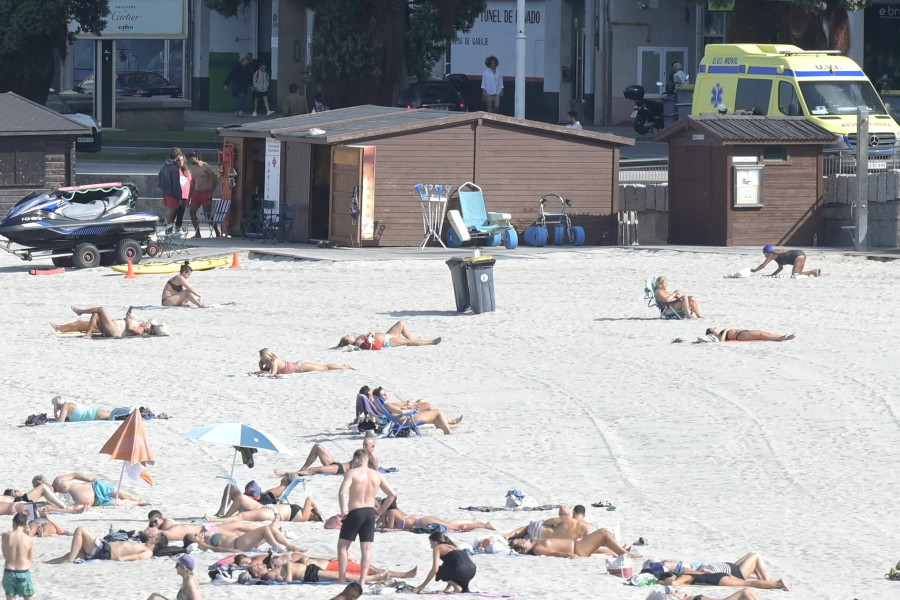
364	50
810	24
34	37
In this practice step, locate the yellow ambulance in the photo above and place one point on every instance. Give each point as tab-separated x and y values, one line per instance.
775	79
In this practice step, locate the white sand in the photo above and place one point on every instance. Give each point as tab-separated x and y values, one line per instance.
571	392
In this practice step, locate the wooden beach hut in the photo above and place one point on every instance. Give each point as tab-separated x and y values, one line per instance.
315	164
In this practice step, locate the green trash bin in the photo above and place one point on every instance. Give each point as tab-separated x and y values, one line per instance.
480	275
460	282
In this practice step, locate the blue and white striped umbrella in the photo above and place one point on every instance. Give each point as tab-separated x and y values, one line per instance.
237	434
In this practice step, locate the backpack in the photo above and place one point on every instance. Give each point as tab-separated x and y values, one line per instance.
37	419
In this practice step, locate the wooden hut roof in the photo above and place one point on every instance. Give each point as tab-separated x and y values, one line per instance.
751	129
20	116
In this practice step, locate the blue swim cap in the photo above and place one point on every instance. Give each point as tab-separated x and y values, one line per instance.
768	248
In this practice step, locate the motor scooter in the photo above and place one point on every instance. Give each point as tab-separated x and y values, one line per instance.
647	114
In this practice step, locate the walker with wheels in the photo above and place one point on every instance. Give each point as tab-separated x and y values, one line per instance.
562	231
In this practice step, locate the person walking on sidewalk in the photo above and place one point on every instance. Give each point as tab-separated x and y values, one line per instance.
261	89
294	103
239	79
205	181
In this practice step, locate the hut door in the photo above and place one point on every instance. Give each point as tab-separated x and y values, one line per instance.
346	188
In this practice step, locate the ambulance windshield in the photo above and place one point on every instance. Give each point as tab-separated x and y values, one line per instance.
840	97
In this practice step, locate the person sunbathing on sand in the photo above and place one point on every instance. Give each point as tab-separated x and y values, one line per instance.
69	411
285	572
44	527
675	300
722	580
747	566
743	594
90	491
565	526
87	546
270	364
326	564
330	466
747	335
397	335
102	322
247	508
229	542
174	532
600	541
394	518
40	492
178	292
429	416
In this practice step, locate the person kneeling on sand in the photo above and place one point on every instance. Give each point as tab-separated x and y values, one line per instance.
398	335
722	580
270	364
190	587
102	322
747	335
675	300
599	541
566	526
90	491
450	564
782	257
87	546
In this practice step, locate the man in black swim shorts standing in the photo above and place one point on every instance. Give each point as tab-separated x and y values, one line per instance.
358	513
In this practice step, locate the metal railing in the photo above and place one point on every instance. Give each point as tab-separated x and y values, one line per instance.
843	162
644	170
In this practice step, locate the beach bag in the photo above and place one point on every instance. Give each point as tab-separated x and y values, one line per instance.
38	419
620	567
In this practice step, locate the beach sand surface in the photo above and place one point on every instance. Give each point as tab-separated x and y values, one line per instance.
571	391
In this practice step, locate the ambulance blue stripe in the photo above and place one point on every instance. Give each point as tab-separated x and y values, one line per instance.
829	74
725	69
769	71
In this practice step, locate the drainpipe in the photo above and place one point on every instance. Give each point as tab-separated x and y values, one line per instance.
520	59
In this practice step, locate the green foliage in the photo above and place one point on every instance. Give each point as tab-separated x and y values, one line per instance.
34	35
226	8
429	32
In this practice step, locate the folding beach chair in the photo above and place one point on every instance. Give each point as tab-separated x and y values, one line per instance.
398	423
476	222
217	216
171	241
286	494
665	312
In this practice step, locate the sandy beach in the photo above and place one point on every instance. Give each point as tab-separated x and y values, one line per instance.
571	391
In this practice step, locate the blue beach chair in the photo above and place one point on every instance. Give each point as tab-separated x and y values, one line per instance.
476	222
665	311
398	423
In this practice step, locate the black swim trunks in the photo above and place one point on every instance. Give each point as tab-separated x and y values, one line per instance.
788	258
709	578
295	509
340	467
359	521
311	575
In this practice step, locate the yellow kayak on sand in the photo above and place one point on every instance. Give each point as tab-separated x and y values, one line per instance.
202	264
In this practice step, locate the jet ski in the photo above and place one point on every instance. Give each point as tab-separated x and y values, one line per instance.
99	214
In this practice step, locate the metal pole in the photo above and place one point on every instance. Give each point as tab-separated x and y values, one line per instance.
119	487
862	179
520	59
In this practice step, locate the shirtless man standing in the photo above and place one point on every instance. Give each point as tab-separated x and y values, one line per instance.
205	181
329	464
582	548
359	514
565	526
90	491
18	552
87	546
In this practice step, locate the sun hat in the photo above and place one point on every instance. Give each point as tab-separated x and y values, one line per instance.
186	561
768	248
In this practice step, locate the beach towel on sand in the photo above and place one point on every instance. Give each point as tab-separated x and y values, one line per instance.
747	273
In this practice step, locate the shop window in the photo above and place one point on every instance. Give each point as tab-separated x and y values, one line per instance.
753	96
22	164
655	65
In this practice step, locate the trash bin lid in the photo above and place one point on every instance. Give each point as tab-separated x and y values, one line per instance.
480	262
455	260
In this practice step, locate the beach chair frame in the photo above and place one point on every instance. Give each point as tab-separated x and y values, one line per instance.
666	312
494	228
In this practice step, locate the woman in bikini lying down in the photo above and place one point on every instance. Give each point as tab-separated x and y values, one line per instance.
600	541
672	594
394	518
723	580
245	508
229	542
270	364
747	335
398	335
353	567
102	322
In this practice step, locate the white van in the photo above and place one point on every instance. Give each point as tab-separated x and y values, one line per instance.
771	79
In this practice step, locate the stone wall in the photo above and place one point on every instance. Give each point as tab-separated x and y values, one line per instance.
651	202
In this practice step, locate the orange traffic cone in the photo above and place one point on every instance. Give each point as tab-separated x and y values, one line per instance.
130	274
235	263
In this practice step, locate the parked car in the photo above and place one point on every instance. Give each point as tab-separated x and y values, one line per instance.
135	83
437	95
469	88
85	143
